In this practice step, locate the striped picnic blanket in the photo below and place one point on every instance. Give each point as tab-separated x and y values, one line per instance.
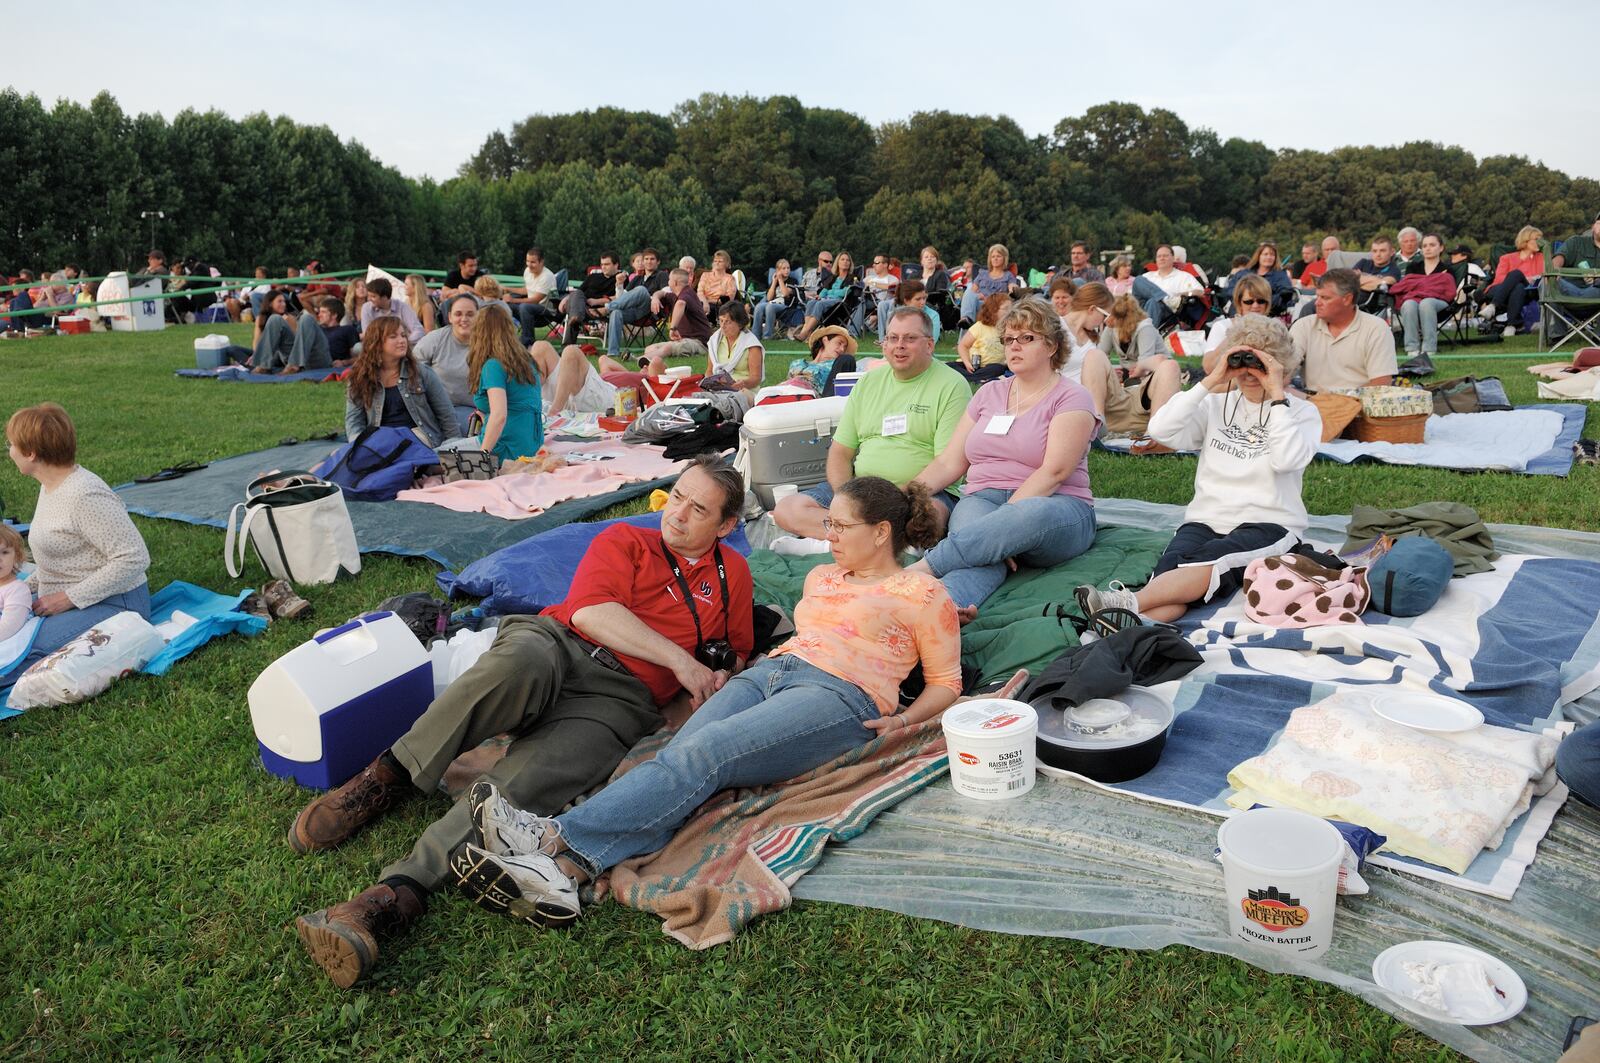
736	858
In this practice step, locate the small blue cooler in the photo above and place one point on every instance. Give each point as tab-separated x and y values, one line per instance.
326	708
211	352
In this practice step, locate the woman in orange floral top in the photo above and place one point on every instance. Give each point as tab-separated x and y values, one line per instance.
863	624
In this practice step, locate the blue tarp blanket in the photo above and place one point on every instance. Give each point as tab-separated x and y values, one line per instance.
239	374
1531	440
214	614
537	572
1112	867
410	529
1519	643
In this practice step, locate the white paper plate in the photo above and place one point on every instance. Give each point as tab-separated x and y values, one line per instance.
1388	973
1427	712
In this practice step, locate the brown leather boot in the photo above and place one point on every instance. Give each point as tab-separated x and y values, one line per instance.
334	817
343	940
284	603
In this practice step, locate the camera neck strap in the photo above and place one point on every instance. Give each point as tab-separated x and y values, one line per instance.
688	595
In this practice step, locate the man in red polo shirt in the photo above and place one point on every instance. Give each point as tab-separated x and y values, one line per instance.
650	613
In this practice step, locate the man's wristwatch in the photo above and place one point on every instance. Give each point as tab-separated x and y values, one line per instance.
1279	402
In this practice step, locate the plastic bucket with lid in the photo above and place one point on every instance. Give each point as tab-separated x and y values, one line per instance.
991	744
1280	872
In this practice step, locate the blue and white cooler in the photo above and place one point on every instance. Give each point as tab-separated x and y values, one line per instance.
326	708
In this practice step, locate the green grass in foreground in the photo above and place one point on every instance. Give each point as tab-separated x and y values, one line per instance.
149	895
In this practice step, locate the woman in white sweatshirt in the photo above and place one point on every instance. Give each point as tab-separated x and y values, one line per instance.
1255	441
89	559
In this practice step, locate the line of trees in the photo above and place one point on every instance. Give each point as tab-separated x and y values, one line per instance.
762	178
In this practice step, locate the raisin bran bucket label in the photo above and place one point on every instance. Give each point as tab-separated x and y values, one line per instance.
992	750
1280	874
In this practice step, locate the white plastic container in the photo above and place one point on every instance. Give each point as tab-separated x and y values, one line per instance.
787	443
208	351
993	755
1280	874
783	491
146	316
326	708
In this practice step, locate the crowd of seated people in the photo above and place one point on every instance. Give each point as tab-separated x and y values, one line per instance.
636	308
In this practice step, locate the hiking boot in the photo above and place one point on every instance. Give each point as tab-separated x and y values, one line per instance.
334	817
502	828
283	602
343	940
529	887
255	605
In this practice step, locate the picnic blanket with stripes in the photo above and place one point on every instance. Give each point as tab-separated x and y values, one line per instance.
735	859
1518	643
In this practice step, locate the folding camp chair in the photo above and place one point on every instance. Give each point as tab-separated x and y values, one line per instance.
1577	316
843	312
1456	317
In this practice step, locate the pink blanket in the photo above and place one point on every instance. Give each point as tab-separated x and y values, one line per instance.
515	495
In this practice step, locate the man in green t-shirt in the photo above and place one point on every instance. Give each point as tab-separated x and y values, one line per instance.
1581	251
895	420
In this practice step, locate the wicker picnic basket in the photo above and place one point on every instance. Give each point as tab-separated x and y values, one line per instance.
1388	429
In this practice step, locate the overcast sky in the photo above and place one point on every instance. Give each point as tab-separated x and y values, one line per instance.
424	87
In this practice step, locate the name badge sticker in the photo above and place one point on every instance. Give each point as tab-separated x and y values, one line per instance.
998	425
894	424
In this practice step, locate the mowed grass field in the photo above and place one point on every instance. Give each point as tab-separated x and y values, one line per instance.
148	898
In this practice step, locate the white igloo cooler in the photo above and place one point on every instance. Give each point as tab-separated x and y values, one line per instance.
326	708
787	443
210	352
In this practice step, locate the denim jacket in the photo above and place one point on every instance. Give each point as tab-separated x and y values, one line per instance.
431	410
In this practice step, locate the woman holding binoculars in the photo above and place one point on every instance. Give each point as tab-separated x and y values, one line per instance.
1255	440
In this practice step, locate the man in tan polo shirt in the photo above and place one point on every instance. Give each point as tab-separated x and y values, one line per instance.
1339	346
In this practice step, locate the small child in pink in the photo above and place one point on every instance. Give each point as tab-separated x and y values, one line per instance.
16	599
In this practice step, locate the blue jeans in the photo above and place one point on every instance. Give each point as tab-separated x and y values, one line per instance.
532	315
778	719
971	303
1423	313
1151	295
56	631
885	308
1578	289
819	306
1578	762
985	529
632	305
768	316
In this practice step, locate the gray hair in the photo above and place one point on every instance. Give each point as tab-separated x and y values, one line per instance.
1401	235
727	478
1347	281
914	312
1264	334
686	263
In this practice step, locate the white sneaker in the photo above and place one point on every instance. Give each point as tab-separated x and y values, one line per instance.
798	546
504	829
529	887
1115	596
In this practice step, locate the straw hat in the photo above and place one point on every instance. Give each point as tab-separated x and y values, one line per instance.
833	330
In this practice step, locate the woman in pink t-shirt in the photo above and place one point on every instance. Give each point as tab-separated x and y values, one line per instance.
1023	446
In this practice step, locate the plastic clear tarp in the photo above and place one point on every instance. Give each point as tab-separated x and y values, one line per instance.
1072	860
